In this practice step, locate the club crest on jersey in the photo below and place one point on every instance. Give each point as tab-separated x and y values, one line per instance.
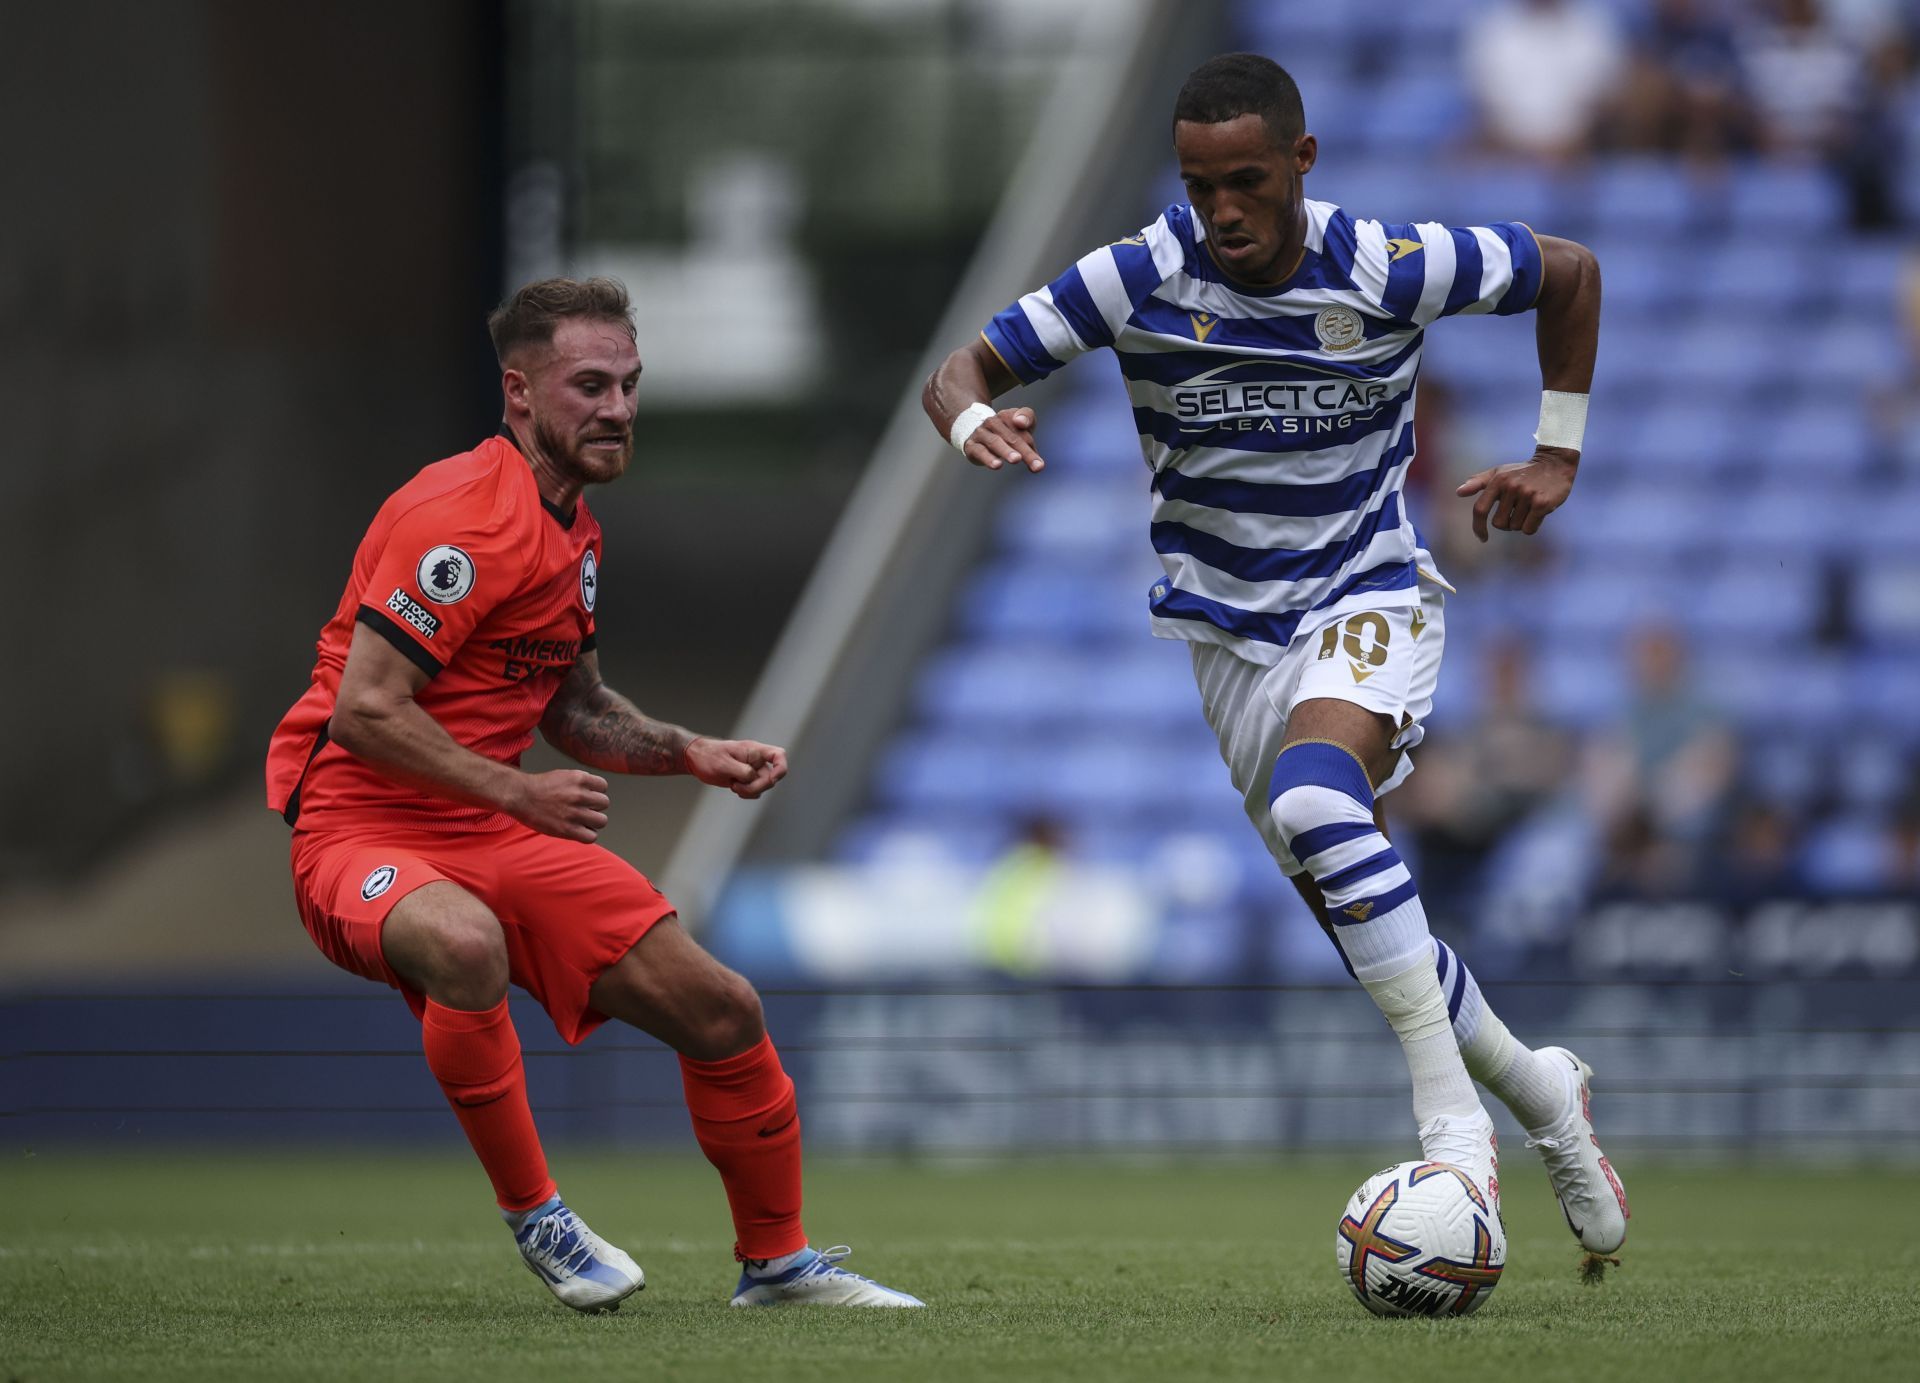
444	575
378	883
589	580
1339	328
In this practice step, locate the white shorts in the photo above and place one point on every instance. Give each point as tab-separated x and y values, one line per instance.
1385	660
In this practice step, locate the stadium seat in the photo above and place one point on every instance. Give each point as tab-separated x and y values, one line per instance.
1414	113
1386	190
1714	357
1091	428
1781	198
1521	192
1001	687
1753	601
1337	115
1687	439
1325	34
1862	285
953	770
1801	695
1038	600
1848	854
1883	518
1083	518
1633	521
1845	356
1145	683
1883	683
1583	687
1786	770
1761	278
1871	774
1120	776
1887	602
967	839
1644	196
1816	439
1642	280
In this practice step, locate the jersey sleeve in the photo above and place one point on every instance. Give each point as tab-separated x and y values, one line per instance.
441	572
1420	272
1086	307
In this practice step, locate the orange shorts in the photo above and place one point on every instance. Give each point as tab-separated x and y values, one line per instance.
569	910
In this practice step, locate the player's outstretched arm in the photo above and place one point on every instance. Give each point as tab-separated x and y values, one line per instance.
591	722
1519	497
376	718
972	378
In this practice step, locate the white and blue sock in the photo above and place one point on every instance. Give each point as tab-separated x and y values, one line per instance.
1526	1084
1322	804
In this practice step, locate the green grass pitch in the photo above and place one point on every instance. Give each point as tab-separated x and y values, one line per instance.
210	1266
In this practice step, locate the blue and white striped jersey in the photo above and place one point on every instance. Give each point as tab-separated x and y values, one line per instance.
1278	422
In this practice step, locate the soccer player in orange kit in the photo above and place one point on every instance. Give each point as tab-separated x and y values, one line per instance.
424	856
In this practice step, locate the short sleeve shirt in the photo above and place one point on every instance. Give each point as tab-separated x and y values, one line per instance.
490	591
1276	420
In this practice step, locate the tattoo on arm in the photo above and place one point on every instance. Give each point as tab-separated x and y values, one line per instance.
593	724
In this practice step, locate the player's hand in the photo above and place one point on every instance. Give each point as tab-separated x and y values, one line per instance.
746	767
1519	497
1005	439
566	803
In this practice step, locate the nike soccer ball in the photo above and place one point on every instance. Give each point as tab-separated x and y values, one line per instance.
1419	1240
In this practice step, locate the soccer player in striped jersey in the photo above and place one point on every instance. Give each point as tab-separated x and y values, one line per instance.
1270	345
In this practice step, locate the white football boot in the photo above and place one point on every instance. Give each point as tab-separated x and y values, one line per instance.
816	1278
578	1266
1589	1191
1466	1141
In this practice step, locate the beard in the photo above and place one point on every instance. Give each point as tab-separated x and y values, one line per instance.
589	466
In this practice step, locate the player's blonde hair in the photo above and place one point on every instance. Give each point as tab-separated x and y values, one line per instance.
529	317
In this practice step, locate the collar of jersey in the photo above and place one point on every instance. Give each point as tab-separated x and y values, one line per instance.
1257	290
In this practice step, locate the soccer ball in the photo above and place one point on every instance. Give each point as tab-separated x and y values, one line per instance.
1419	1240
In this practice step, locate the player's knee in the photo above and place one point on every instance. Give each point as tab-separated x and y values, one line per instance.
1316	786
732	1021
470	955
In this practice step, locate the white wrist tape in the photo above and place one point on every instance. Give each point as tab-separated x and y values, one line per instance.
963	427
1563	419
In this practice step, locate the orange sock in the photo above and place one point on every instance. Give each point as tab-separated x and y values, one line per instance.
749	1127
476	1058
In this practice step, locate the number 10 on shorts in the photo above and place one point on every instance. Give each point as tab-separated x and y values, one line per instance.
1363	637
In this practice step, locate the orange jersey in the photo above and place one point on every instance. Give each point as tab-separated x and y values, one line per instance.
490	591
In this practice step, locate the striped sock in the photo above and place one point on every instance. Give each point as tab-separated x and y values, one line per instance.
1512	1073
1322	805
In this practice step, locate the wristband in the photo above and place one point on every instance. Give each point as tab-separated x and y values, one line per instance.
964	424
1563	419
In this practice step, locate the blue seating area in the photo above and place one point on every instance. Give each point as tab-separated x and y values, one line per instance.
1742	485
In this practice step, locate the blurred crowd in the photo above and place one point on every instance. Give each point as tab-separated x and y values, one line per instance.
1515	810
1706	80
1667	803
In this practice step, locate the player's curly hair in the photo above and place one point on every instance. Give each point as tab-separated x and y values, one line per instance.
529	317
1235	84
